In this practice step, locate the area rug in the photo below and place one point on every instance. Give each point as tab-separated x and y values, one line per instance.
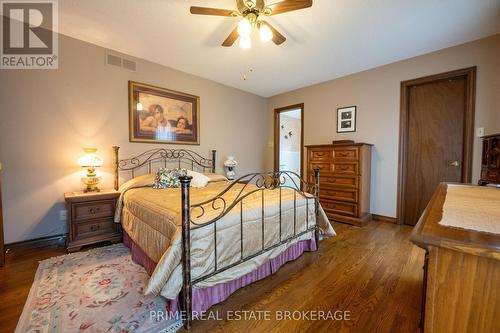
100	290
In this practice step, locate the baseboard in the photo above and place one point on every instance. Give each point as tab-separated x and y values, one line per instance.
49	241
383	218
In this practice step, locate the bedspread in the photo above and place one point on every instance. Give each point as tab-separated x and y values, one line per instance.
152	218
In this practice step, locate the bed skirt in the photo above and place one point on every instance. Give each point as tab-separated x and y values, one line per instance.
204	298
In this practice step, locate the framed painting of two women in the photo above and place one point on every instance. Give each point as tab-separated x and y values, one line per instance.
159	115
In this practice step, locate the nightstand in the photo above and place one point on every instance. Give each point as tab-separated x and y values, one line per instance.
90	218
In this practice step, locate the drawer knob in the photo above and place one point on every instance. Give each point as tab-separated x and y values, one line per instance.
95	227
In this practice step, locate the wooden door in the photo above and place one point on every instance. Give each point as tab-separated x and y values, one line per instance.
437	138
2	251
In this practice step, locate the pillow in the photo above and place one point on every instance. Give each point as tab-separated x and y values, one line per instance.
215	177
199	179
166	178
140	181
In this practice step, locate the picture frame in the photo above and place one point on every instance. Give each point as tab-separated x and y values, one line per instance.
346	119
160	115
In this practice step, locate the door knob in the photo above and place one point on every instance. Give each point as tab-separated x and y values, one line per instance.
455	163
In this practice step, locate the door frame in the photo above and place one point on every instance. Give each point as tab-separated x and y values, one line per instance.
277	136
468	135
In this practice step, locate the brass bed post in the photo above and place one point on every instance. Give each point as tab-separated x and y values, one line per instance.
116	161
186	255
213	160
316	206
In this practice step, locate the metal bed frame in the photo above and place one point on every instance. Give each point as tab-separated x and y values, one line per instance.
262	181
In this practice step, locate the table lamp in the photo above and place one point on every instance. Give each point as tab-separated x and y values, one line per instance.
90	161
230	164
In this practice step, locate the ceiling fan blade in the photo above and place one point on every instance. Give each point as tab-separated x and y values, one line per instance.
233	36
288	6
211	11
278	38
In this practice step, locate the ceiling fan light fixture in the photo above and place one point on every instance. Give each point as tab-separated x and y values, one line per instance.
245	42
265	33
244	27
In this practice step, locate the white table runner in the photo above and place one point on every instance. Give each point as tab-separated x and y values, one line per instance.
472	207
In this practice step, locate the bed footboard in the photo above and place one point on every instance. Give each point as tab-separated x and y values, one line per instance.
272	181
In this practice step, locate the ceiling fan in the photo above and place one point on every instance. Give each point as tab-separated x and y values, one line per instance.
251	12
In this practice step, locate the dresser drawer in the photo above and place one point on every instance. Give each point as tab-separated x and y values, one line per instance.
346	154
91	210
337	180
320	155
323	167
345	168
348	195
343	208
93	228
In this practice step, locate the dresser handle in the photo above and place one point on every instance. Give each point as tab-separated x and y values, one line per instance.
94	210
95	227
320	154
344	168
343	154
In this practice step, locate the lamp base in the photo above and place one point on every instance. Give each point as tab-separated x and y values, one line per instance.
91	183
91	189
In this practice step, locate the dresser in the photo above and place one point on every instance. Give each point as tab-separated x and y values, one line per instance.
344	180
461	281
90	218
490	160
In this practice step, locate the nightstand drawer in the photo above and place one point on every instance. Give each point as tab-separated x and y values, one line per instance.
93	228
91	210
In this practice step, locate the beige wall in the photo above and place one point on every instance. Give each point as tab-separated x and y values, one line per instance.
376	92
47	116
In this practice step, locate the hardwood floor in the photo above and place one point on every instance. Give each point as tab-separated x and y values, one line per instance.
373	272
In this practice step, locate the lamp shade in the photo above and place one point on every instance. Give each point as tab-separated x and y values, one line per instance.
230	162
265	33
244	27
90	159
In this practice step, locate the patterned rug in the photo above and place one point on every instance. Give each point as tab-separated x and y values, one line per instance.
100	290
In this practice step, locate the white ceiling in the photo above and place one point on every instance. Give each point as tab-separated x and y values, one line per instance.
333	38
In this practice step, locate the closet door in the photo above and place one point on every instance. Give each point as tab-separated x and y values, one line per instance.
437	143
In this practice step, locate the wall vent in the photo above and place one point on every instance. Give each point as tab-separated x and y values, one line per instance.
113	60
118	61
129	64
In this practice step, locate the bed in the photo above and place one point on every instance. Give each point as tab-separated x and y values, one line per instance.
201	244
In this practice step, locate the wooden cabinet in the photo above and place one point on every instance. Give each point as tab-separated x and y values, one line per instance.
344	180
462	272
490	160
90	218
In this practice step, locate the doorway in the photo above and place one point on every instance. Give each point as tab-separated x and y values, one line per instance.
289	139
436	137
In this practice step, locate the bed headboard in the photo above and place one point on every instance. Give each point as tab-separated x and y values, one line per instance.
161	157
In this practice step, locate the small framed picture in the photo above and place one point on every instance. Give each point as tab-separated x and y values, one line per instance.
346	119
